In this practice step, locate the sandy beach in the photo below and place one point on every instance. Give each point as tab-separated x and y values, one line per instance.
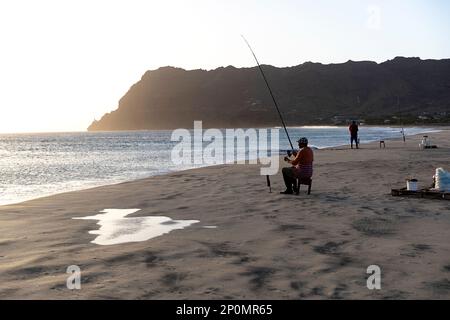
265	245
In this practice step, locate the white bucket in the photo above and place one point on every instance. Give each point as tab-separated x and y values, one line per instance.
425	142
411	185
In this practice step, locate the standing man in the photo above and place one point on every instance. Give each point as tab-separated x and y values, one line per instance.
353	128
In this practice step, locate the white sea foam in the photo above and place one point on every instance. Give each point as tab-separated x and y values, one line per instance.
116	227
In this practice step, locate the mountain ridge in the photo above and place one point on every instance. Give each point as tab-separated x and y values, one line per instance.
409	90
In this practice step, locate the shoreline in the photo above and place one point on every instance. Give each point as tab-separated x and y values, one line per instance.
206	166
265	245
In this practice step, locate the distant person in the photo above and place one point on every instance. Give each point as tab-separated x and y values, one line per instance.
302	166
353	128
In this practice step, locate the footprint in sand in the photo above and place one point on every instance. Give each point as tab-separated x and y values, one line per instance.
116	228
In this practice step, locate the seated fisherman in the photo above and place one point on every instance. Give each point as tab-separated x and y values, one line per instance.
301	166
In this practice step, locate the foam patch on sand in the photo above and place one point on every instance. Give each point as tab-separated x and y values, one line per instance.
116	228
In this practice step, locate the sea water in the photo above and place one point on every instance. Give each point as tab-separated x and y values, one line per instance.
36	165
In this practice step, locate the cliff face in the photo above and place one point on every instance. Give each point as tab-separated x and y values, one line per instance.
310	93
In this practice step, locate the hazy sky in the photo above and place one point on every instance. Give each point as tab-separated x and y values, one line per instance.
64	63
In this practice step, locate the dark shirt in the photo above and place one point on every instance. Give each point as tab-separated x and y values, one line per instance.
353	129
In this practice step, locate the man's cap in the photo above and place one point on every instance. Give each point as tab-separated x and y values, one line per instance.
303	140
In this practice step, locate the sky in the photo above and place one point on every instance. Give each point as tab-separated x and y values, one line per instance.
64	63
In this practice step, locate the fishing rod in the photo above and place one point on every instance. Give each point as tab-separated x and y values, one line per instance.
270	91
274	102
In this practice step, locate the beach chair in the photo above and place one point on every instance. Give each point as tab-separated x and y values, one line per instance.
304	181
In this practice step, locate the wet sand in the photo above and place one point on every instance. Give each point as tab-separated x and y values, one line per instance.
265	246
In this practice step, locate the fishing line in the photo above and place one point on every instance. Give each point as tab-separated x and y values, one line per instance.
270	91
274	102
